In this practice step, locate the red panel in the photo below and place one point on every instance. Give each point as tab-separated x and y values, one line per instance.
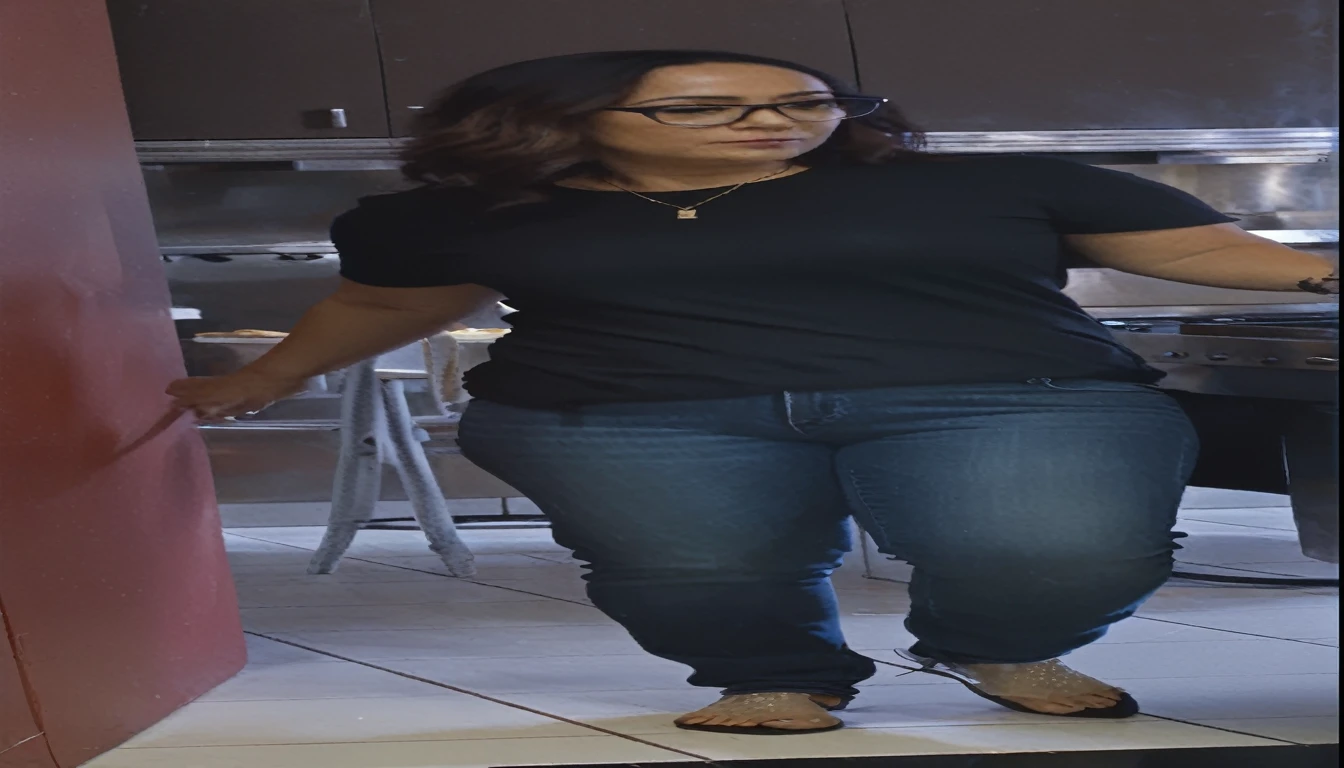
21	742
29	754
112	570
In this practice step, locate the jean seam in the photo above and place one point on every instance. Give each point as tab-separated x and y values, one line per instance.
1050	384
874	522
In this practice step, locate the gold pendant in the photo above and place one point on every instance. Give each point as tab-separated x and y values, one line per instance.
686	213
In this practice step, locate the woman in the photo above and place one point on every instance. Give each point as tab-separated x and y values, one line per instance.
749	309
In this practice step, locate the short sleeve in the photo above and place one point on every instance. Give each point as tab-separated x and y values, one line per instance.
388	243
1086	200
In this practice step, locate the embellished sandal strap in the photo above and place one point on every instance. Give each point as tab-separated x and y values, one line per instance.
768	706
1035	680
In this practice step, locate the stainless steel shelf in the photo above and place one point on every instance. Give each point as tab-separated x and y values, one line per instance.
1229	144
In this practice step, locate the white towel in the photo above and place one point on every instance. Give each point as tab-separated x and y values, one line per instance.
449	355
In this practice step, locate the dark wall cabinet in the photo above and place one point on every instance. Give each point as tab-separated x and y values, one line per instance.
258	69
429	44
1011	65
249	69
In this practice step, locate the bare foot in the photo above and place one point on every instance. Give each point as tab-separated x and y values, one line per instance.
1048	687
782	711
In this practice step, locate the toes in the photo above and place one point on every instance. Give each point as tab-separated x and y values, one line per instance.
799	725
1097	701
1047	707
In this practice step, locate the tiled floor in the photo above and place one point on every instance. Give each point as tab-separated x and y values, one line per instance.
390	664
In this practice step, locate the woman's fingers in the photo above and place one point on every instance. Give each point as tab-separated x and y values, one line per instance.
218	398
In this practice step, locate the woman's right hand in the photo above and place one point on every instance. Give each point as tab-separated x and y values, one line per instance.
221	397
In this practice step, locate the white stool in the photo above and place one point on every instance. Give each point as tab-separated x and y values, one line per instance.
377	429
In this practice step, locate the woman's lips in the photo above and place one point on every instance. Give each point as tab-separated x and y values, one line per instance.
765	142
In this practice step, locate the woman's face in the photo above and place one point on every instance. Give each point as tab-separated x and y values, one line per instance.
761	137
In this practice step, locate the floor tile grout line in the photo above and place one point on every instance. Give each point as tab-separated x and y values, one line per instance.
484	697
126	748
1288	531
1248	570
419	570
1220	728
1230	632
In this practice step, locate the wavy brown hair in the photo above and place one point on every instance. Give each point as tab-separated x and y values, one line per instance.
510	132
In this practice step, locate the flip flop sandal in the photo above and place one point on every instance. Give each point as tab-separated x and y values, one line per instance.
762	704
1050	670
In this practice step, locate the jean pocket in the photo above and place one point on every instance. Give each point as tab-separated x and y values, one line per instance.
1094	385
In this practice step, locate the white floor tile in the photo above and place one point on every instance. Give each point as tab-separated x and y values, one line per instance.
1221	498
498	567
464	753
1054	736
529	613
1191	655
272	515
1241	697
1274	518
1303	622
1216	658
876	632
531	589
444	717
247	542
651	711
1304	569
506	541
312	595
470	642
349	572
286	559
317	680
261	651
1219	544
1142	630
1243	571
1183	596
1299	730
550	674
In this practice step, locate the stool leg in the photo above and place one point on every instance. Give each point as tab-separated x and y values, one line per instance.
427	503
359	470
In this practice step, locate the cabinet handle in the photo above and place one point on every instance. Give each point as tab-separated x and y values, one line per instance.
338	119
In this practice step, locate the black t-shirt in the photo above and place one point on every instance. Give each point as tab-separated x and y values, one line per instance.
929	271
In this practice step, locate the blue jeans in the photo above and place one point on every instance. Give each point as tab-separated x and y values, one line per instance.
1035	515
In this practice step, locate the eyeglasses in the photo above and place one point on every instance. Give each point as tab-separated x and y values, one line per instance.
714	115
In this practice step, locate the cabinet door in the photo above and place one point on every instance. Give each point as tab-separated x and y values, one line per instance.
430	44
249	69
1010	65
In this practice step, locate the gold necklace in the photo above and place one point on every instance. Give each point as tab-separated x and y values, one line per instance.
687	212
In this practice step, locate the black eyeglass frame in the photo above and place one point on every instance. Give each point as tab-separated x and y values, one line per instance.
750	109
